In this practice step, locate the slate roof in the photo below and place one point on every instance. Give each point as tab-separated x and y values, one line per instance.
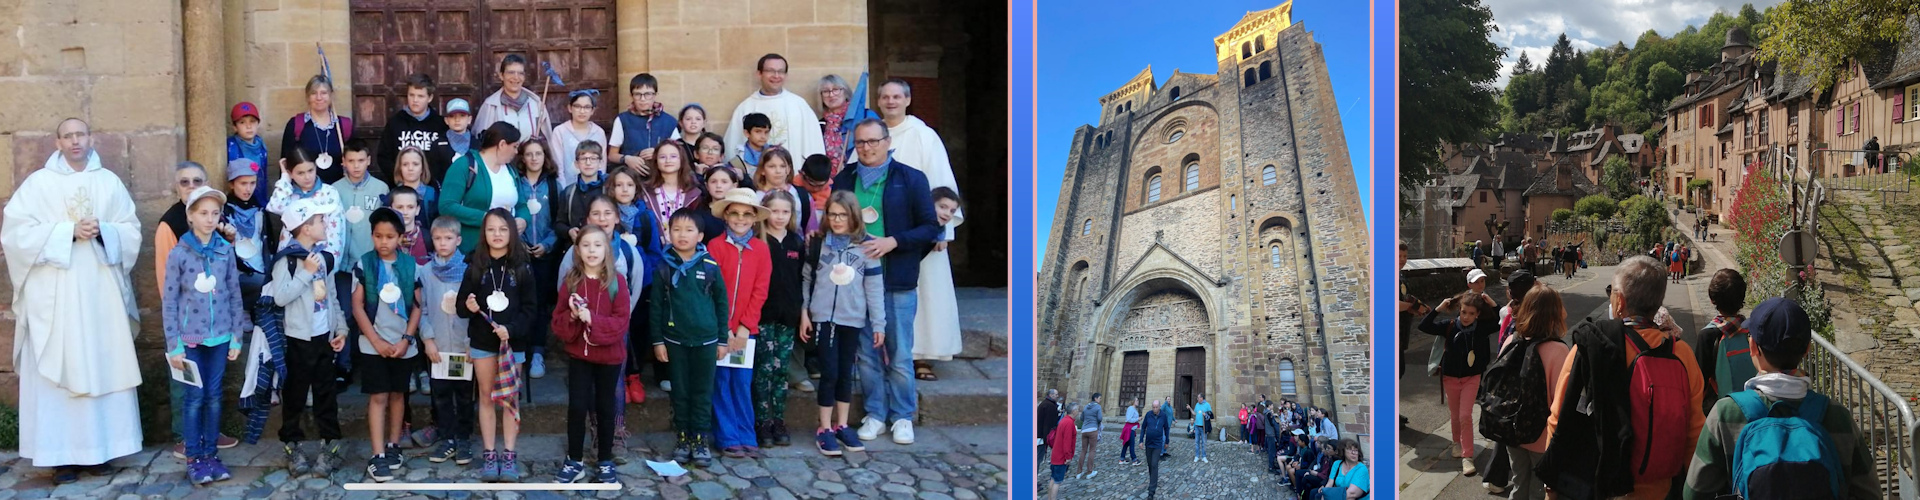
1905	67
1548	183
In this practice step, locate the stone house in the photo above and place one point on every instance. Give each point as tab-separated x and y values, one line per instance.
1699	137
1209	238
1491	188
1560	185
156	79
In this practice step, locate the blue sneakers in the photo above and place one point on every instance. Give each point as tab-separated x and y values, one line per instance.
571	471
849	438
828	445
605	474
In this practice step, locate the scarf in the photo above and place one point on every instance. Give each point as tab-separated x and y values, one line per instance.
750	155
385	277
836	241
870	175
210	249
630	215
298	194
421	116
586	186
451	270
512	104
680	268
245	219
740	240
506	382
255	149
646	113
459	141
1780	386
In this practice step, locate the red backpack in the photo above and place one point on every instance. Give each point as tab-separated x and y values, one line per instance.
1657	387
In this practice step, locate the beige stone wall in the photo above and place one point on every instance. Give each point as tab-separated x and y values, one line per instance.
704	50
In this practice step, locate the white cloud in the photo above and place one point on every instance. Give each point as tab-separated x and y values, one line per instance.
1532	26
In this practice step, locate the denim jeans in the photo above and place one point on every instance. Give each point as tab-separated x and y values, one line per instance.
1200	443
890	386
202	404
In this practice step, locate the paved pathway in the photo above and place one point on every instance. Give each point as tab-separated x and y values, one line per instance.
1234	472
957	463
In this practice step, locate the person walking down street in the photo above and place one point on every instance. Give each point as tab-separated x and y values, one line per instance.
1090	418
1154	437
1128	432
1166	423
1202	424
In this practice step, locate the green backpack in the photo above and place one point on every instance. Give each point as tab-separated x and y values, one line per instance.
1734	363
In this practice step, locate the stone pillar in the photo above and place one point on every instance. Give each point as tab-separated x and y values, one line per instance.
206	83
630	46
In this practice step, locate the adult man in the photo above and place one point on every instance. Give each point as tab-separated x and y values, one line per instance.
1049	416
71	238
1166	424
1200	426
937	323
1596	400
897	206
795	126
1154	436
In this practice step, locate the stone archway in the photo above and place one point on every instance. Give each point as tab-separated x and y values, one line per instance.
1165	316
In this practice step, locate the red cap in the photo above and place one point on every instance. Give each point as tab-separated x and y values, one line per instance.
244	109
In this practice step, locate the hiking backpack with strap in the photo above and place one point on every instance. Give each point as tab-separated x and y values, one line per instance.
346	126
1657	388
1733	363
1784	453
1513	395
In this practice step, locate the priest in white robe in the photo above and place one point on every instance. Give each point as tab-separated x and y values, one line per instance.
936	326
71	239
795	126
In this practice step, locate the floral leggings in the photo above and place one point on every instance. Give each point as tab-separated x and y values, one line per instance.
771	352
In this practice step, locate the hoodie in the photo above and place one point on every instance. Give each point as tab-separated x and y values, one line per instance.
601	342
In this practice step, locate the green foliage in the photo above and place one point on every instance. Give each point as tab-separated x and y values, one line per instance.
9	427
1648	219
1617	177
1448	66
1699	184
1818	37
1562	215
1597	206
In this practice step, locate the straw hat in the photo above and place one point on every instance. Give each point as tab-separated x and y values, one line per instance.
742	196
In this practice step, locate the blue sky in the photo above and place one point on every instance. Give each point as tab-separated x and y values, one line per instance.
1087	49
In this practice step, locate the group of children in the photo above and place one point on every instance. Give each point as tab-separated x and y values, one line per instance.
363	276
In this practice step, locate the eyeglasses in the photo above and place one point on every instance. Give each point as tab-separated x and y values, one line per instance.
839	215
832	91
588	158
868	142
577	106
712	149
733	214
647	94
192	182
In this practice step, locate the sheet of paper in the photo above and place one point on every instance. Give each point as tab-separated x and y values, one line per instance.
740	359
667	469
453	366
189	373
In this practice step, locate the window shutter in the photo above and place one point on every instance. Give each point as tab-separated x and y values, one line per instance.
1899	106
1840	120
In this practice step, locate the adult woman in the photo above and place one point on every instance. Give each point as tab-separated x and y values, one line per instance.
478	182
776	174
1348	479
319	131
838	116
514	103
1541	320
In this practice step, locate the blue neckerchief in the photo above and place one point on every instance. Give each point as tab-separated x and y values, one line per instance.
244	220
585	186
740	240
215	247
630	215
870	175
459	141
381	280
255	149
837	241
750	155
304	195
421	116
451	270
680	268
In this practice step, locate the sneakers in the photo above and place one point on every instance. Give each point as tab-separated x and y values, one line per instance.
605	473
870	428
636	390
462	452
328	459
443	453
379	470
570	472
218	469
1467	468
1196	460
849	439
539	369
683	449
903	431
1206	460
780	437
420	438
509	467
763	433
180	450
825	441
298	465
423	384
490	472
666	385
702	453
198	472
1494	488
225	442
803	386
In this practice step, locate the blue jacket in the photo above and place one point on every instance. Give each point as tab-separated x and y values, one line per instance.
210	318
638	133
907	211
1153	429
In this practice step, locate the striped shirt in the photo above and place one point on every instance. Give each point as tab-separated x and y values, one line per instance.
1708	476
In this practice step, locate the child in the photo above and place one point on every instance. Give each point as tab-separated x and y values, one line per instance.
497	274
776	174
747	267
946	206
316	329
629	262
816	176
410	171
444	332
845	294
1781	335
720	180
642	125
693	127
569	136
459	139
245	144
1723	354
202	307
758	128
414	127
638	217
673	186
251	234
360	195
413	241
386	306
592	325
688	301
570	209
780	318
708	152
536	179
301	182
1468	352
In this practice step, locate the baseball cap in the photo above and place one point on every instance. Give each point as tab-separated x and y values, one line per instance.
458	105
1519	283
205	192
300	211
1476	275
817	168
244	109
241	168
1779	325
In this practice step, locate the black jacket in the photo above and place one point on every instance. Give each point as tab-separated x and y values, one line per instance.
1588	456
1049	417
784	297
520	315
1475	339
429	136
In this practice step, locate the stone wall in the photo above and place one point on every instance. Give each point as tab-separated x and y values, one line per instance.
279	56
1174	225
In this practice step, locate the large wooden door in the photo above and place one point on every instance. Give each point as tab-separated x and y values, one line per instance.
1133	378
1190	375
460	43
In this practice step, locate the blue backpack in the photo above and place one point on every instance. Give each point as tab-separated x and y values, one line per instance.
1787	456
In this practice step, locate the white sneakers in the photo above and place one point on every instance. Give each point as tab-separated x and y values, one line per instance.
1467	468
903	431
1091	474
870	428
1493	488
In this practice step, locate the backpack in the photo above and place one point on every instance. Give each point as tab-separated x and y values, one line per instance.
346	126
1513	393
1657	388
1785	456
1733	363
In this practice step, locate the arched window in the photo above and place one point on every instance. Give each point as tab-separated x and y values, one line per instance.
1176	94
1250	76
1288	386
1176	135
1268	176
1266	70
1246	50
1116	111
1273	254
1153	189
1086	228
1193	176
1233	202
1259	44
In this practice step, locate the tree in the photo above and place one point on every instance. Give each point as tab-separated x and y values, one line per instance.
1448	64
1598	206
1817	37
1663	83
1562	215
1617	176
1522	67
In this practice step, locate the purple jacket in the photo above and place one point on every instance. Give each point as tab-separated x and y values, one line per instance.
196	318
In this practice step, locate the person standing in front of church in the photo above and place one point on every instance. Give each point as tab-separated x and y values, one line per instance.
319	131
897	207
936	325
514	103
794	126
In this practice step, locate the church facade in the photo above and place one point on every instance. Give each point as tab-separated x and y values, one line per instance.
1209	239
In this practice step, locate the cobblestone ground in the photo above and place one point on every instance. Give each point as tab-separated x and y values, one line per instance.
945	463
1233	473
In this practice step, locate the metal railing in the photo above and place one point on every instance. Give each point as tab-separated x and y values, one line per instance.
1881	417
